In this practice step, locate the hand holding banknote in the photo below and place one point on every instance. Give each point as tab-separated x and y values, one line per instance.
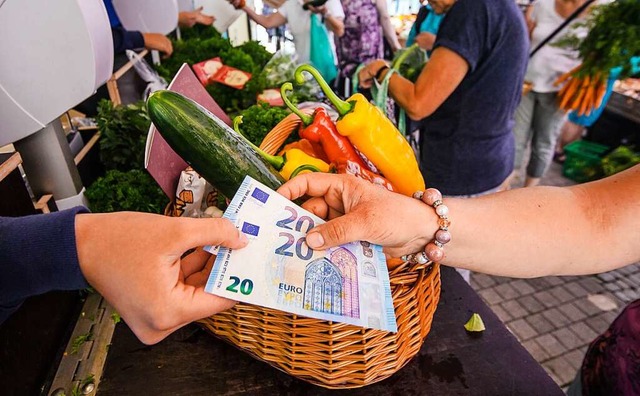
347	283
361	211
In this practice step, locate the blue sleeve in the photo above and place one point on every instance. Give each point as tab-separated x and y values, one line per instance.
37	254
411	38
125	39
464	31
111	13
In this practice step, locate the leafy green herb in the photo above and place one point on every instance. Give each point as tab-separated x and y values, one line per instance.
259	55
200	44
78	390
619	159
613	38
134	190
79	341
116	318
259	119
192	51
123	132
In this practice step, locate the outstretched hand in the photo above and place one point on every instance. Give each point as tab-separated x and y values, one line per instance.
360	211
135	261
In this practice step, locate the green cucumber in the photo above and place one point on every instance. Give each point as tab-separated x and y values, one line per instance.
209	145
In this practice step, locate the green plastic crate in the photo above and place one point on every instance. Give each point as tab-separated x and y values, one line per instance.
583	161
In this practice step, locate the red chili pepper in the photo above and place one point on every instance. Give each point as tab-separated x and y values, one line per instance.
320	129
353	168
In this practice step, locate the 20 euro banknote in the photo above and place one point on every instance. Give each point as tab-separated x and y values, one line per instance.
277	269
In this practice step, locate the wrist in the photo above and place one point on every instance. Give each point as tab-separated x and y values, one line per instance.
381	73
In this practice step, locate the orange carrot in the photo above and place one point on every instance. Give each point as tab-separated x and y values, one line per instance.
568	94
602	89
566	75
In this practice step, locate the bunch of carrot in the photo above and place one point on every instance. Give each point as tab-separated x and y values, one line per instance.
581	93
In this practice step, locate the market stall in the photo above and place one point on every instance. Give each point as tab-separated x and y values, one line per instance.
451	361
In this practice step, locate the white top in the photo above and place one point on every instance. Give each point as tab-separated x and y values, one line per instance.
299	22
550	62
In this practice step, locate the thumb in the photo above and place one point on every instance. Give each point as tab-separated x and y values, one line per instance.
341	230
200	232
199	9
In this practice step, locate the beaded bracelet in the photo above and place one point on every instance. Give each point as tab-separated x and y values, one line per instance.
434	250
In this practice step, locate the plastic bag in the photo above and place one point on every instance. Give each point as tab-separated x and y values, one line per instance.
281	68
409	62
147	73
322	57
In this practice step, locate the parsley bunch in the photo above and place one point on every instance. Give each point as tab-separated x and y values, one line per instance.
259	119
123	132
133	190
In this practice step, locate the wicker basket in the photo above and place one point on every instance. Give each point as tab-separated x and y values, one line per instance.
328	354
337	355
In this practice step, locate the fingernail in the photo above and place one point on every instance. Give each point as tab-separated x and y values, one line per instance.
243	238
315	240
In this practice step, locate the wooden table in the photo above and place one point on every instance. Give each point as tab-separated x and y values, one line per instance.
451	361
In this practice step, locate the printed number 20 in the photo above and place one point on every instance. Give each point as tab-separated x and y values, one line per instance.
246	285
283	250
284	223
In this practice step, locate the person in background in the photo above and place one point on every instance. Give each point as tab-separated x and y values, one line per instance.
366	25
124	39
299	21
134	260
425	28
575	125
466	95
190	18
523	233
538	117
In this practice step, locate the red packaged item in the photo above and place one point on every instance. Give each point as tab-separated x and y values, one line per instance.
272	97
231	77
353	168
206	69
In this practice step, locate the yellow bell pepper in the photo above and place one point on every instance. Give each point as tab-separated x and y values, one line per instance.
293	162
374	135
297	161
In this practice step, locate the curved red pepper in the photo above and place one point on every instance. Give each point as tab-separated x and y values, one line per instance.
337	147
321	130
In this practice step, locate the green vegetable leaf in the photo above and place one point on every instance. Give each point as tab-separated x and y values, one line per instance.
79	341
259	119
134	190
474	324
123	131
613	38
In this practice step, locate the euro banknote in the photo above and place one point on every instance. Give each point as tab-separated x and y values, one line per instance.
348	283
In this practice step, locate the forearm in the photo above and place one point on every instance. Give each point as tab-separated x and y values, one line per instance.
37	255
266	21
387	28
335	25
548	230
404	94
439	78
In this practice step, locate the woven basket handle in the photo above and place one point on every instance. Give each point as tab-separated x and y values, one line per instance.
281	132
